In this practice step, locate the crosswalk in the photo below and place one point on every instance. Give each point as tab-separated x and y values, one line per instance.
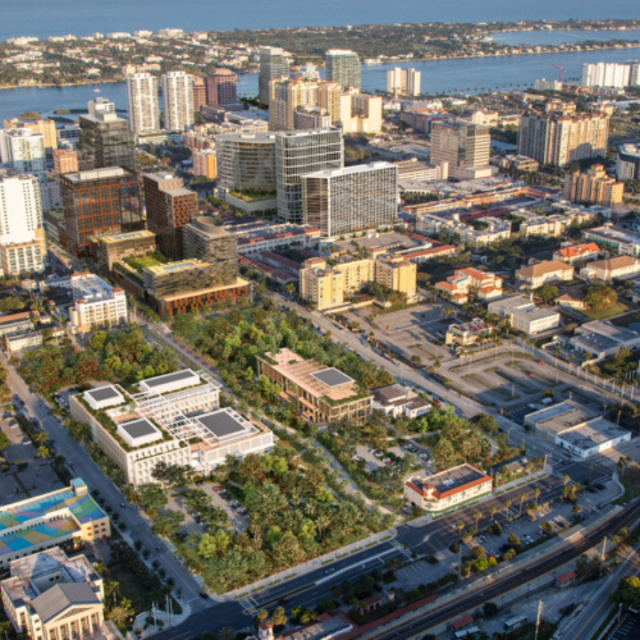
248	604
402	550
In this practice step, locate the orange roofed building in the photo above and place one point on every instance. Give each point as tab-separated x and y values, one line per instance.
587	251
458	285
447	489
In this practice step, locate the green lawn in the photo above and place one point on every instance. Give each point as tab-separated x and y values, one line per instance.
128	585
615	310
139	263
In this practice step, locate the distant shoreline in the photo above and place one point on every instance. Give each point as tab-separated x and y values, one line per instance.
633	44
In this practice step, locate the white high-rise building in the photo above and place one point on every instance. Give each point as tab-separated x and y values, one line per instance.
142	98
23	149
177	95
22	245
607	74
403	82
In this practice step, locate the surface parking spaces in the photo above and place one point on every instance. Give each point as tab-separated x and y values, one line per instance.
629	629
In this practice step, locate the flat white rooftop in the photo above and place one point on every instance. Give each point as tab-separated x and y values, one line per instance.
171	382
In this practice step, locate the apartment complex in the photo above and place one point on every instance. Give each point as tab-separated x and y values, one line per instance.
450	488
169	206
403	82
341	201
493	228
299	153
523	314
105	140
44	521
23	149
593	186
553	138
610	74
205	163
173	419
328	287
49	596
343	66
221	87
22	241
322	394
460	144
628	162
65	161
96	303
100	202
246	161
273	64
142	101
199	88
539	274
177	95
44	126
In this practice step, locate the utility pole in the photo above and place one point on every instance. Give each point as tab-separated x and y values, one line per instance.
538	618
604	554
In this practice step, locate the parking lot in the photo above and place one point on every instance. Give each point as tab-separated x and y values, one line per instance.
376	459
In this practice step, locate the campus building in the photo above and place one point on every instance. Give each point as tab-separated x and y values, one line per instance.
524	315
539	274
574	253
601	339
96	303
321	394
99	202
447	489
173	419
169	206
67	515
342	201
49	596
622	241
576	429
618	267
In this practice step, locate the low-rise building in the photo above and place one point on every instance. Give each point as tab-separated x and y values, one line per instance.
620	267
575	253
464	281
577	429
49	596
524	316
173	419
21	341
283	235
602	339
550	226
322	394
396	400
467	333
539	274
489	229
67	515
96	303
522	163
14	323
450	488
621	241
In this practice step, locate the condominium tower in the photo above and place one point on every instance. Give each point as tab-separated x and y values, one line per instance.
169	207
593	186
246	161
22	245
142	98
38	125
340	201
221	87
460	144
403	82
23	149
299	153
177	95
343	67
553	138
273	64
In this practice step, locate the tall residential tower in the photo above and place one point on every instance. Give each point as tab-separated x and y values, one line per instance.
142	97
177	95
343	67
273	64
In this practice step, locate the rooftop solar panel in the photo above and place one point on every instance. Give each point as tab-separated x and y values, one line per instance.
139	428
103	393
169	377
221	424
332	377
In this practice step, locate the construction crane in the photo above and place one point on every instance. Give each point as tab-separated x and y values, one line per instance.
559	68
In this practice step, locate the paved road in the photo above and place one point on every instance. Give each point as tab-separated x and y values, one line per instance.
83	466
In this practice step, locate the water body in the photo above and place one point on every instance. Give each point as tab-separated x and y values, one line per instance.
471	74
43	18
534	38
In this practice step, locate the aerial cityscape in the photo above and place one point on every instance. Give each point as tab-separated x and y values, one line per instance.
320	330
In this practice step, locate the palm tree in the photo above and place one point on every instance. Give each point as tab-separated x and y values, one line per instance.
565	480
507	504
460	526
522	496
493	513
227	633
121	612
537	492
43	452
477	515
322	523
41	437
